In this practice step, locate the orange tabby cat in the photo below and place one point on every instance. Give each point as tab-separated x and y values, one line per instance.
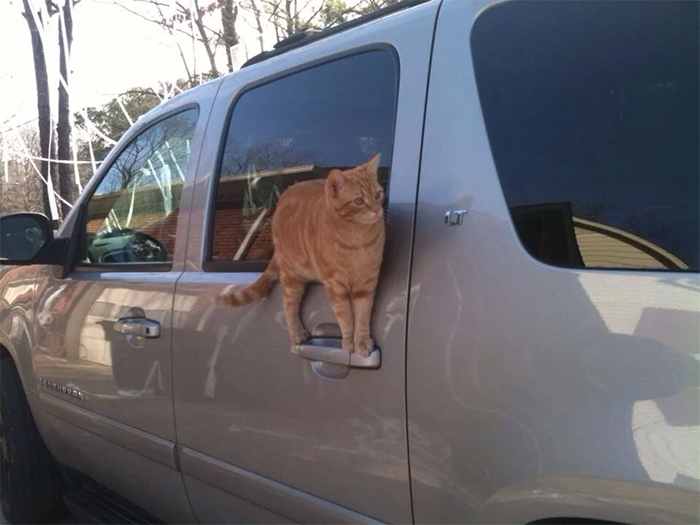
330	231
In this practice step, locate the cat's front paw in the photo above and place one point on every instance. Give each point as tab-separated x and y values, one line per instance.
300	336
364	346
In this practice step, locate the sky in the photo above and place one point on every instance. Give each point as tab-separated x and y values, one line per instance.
113	50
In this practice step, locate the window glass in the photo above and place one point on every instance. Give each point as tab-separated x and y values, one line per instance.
591	109
336	115
132	216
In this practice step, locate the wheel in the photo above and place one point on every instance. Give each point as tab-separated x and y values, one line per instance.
30	479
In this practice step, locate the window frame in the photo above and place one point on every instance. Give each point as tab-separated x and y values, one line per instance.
81	221
259	265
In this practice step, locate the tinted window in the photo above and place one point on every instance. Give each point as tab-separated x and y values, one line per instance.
592	114
335	115
132	216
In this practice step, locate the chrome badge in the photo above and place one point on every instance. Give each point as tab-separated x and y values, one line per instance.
66	390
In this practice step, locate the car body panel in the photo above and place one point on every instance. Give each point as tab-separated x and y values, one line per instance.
535	391
18	289
102	401
510	390
301	430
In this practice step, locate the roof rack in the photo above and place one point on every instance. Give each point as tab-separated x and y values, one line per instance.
305	37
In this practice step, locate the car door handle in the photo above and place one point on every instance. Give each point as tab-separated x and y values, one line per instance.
138	326
330	350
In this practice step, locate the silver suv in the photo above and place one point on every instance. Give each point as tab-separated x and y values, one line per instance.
537	318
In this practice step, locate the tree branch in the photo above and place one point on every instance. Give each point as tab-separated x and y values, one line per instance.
308	22
205	39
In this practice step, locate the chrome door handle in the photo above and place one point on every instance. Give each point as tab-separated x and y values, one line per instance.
330	351
138	326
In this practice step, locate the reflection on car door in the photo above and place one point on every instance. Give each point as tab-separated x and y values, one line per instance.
265	437
104	332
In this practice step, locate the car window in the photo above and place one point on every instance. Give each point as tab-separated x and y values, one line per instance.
132	216
296	128
591	110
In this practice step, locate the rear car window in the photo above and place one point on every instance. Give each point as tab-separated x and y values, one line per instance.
299	127
591	110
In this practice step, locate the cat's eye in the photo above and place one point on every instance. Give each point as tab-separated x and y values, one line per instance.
378	195
359	201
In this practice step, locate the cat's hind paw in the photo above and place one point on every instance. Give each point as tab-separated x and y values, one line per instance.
348	346
364	346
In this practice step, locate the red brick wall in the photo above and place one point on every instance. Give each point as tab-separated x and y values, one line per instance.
231	227
164	229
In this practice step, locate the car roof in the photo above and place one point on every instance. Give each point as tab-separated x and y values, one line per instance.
303	38
293	42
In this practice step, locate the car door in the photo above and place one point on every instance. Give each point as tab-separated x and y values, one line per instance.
103	330
267	435
563	308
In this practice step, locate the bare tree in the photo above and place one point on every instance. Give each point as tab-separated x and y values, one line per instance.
35	19
229	35
65	153
163	20
252	6
337	11
291	16
206	35
211	36
20	188
212	24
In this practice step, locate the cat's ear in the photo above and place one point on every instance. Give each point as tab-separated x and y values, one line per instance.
334	182
372	165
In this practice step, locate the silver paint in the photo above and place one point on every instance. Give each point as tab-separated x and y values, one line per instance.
265	409
529	392
62	330
536	391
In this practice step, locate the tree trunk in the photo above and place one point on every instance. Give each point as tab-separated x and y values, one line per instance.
43	105
289	17
64	127
199	22
258	23
229	14
296	17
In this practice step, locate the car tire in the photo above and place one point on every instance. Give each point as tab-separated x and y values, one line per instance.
31	488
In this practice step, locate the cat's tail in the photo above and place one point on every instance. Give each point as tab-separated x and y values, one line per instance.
259	289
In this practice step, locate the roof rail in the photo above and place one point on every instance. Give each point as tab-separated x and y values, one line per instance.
305	37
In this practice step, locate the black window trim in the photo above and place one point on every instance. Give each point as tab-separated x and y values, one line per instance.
259	265
80	224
